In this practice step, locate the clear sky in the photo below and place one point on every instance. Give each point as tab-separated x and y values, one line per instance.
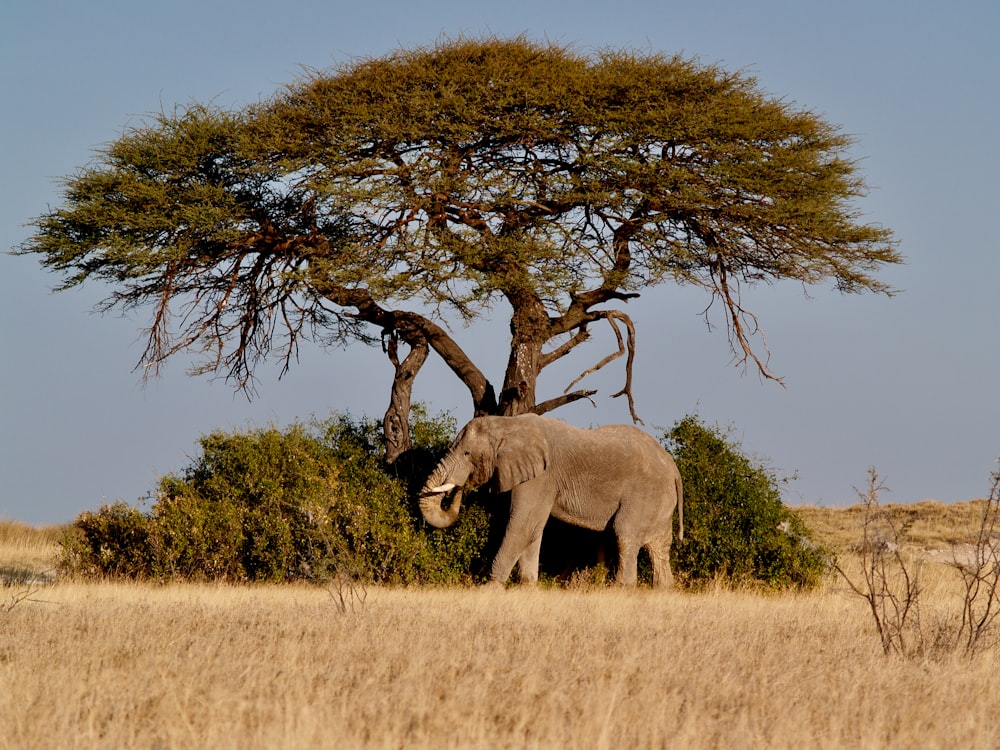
908	385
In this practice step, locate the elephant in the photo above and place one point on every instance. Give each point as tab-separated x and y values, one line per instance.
615	476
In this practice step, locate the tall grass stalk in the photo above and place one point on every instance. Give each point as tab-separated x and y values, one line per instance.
27	552
186	666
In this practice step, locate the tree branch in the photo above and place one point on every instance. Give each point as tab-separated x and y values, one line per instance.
579	313
409	324
736	323
627	390
565	348
396	423
567	398
623	346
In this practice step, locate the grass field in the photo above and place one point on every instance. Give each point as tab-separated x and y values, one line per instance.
95	665
27	552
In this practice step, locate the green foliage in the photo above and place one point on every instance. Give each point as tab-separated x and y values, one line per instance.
315	501
114	540
431	435
250	506
450	176
735	525
311	501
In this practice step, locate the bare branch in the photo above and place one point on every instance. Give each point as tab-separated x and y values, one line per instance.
565	348
981	578
567	398
627	390
610	358
737	322
396	423
613	317
891	586
409	325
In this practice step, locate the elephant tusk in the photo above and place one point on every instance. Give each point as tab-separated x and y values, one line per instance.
443	488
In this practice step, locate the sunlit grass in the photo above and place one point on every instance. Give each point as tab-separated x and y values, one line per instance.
27	551
111	665
130	665
927	525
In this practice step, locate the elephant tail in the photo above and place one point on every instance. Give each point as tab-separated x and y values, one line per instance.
680	507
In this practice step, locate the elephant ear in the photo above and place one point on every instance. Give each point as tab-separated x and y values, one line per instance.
522	455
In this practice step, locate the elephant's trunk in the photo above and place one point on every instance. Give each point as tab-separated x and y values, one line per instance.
445	478
449	475
430	505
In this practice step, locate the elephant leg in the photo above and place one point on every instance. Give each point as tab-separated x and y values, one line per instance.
528	513
628	561
659	555
527	563
518	546
503	563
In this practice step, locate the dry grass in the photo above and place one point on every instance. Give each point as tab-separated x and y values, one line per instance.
107	665
927	525
27	551
189	666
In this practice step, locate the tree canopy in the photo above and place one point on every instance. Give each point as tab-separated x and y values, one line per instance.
382	198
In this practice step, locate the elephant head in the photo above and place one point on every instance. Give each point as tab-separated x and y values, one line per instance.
499	451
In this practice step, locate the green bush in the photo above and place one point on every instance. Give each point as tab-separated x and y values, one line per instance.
315	501
458	555
312	501
735	525
250	507
113	541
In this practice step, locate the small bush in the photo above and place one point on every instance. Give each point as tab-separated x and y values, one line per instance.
735	525
112	541
249	508
312	501
388	491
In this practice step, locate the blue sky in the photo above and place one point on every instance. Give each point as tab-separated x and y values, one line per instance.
908	384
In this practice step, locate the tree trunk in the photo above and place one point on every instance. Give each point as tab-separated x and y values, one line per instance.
396	423
529	328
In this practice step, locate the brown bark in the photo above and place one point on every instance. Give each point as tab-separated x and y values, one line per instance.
412	327
396	423
530	328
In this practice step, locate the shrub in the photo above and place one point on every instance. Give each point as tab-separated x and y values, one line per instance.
249	508
312	501
890	581
735	525
459	555
315	501
114	540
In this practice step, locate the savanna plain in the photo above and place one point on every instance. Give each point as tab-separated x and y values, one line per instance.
115	665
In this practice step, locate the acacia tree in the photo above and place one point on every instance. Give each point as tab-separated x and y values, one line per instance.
379	199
